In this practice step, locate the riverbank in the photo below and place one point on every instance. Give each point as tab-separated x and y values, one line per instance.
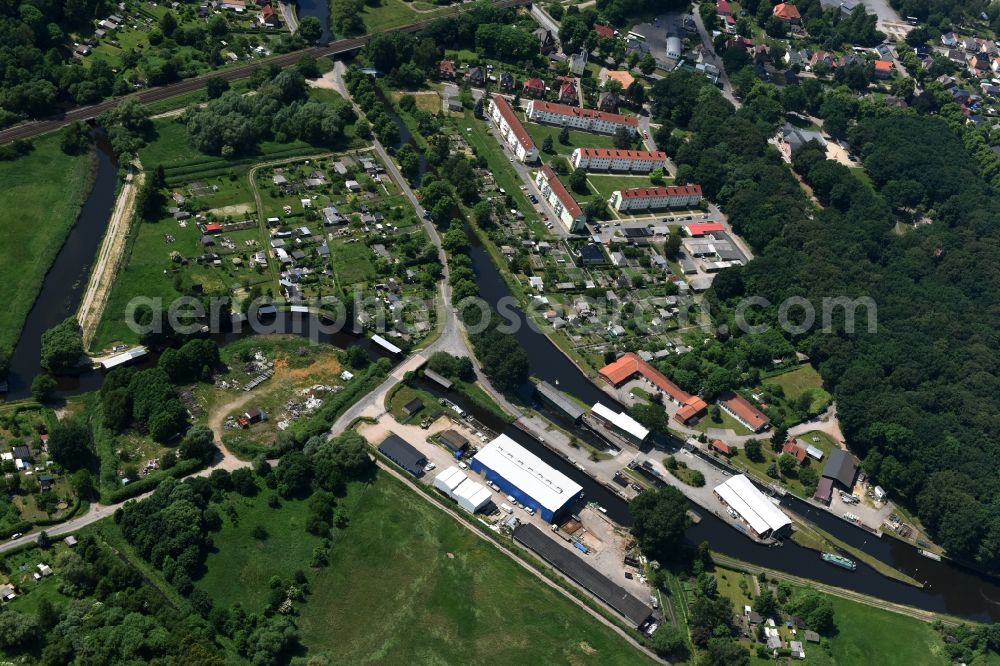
112	252
43	195
735	564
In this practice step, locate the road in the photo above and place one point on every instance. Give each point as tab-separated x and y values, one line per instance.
35	128
545	21
102	277
712	59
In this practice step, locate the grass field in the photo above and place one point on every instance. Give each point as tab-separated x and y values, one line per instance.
796	383
606	184
381	15
870	635
353	263
576	139
441	595
486	146
42	195
725	422
405	584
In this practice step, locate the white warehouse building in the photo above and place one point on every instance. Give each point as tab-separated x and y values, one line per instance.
654	198
523	475
621	423
469	494
609	159
587	120
511	129
754	507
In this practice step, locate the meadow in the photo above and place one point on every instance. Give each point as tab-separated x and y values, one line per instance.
405	583
42	195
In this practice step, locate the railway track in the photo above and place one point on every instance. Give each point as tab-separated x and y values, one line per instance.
35	128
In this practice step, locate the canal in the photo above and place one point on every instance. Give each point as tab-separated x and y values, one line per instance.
66	280
319	9
949	588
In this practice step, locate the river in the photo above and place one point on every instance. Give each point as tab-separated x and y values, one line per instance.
319	9
66	280
950	588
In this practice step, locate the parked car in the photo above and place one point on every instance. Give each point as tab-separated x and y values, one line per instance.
429	467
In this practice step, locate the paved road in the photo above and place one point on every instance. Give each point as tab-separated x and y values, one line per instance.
451	337
37	127
711	58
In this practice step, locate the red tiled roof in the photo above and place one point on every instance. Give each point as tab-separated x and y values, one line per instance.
690	409
512	120
792	447
568	88
702	228
267	11
568	202
722	7
630	364
447	66
662	191
742	408
209	228
605	32
722	447
536	84
883	66
787	12
563	110
616	154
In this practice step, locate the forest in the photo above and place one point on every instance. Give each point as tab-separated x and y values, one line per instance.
918	398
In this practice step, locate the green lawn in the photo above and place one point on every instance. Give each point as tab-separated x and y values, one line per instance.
42	194
405	584
798	380
576	139
240	567
486	146
380	15
408	584
725	421
353	263
606	184
870	635
150	272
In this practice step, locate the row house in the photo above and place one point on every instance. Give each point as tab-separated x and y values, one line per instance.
565	207
511	129
656	198
607	159
587	120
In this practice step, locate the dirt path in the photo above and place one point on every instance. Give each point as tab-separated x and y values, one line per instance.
109	259
215	420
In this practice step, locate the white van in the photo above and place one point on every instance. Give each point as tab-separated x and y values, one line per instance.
506	507
510	498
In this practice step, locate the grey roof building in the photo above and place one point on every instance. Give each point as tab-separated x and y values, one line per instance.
396	449
840	468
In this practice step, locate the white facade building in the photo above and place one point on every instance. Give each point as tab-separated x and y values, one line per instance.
757	511
621	422
607	159
653	198
469	494
566	209
587	120
511	129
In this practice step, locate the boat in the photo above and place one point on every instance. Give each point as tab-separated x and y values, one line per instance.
840	561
